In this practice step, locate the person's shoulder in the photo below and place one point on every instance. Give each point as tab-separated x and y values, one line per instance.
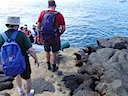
59	14
0	36
43	11
21	33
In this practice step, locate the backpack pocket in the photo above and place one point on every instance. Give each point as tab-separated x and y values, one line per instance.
13	69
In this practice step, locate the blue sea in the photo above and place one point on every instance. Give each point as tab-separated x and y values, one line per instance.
86	20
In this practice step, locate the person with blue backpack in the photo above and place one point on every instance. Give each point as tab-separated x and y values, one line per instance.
51	25
14	59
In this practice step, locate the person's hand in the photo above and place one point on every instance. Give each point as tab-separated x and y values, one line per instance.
37	63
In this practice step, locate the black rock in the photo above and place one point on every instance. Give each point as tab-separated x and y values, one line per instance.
6	85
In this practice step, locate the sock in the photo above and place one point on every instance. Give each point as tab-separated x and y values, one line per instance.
20	89
28	94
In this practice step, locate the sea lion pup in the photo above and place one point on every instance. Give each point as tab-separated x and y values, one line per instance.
89	50
79	61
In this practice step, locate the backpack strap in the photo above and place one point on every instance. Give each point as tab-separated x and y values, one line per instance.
45	11
5	37
56	12
14	35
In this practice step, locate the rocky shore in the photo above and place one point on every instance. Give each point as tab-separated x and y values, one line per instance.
92	71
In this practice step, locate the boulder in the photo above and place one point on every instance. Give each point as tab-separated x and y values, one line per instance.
6	85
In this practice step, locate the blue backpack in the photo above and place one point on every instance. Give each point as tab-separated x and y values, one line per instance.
13	62
49	30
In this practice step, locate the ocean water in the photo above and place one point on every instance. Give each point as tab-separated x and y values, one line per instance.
86	20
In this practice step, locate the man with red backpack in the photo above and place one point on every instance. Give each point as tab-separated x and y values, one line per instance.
49	24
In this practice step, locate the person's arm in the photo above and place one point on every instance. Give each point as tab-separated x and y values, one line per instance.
38	31
33	54
39	22
39	27
62	29
62	24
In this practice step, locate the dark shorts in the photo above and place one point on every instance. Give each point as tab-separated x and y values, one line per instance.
26	74
53	46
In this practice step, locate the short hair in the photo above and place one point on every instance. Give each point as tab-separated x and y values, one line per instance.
21	28
51	3
9	25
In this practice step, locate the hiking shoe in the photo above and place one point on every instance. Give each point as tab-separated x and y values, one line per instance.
54	68
49	65
31	93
